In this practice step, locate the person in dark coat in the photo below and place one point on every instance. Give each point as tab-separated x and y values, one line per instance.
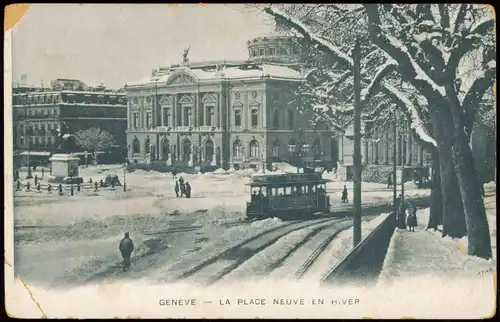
126	248
344	195
181	180
176	189
43	171
188	190
389	181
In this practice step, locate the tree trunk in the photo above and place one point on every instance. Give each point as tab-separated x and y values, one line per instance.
477	223
453	215
436	210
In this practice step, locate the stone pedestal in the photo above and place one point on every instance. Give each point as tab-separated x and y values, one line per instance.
169	160
65	169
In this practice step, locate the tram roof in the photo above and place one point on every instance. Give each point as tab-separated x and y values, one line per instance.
287	179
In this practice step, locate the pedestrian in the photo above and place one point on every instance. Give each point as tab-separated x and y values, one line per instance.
50	169
28	186
49	188
18	185
188	190
181	180
389	181
90	180
38	187
36	179
183	189
345	195
96	186
101	183
126	248
43	172
176	189
174	174
60	188
78	187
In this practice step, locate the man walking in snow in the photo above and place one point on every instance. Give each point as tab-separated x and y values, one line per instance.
176	189
344	195
126	248
389	181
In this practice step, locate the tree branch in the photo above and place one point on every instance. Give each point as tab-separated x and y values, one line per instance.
385	70
407	67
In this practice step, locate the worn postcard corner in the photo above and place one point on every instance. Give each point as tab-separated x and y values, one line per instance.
279	161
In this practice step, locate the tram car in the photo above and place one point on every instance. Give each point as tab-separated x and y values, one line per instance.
290	195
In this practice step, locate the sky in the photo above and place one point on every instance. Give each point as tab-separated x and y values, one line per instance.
117	43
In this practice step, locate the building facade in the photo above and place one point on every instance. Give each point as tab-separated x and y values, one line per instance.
37	112
225	113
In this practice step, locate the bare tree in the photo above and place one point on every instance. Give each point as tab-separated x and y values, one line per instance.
94	139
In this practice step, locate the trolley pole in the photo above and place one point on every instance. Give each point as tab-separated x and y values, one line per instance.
357	145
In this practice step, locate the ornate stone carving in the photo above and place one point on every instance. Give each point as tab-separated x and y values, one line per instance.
209	98
165	100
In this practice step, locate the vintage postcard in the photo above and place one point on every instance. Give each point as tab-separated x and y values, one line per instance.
250	161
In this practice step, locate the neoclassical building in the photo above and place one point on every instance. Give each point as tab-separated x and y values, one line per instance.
225	113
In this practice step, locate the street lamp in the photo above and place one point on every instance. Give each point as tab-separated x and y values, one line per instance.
71	182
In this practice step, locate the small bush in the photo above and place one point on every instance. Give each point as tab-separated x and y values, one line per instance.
376	173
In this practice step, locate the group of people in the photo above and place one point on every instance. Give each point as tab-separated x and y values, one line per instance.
406	216
183	187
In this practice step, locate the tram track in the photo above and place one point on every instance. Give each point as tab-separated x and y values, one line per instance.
241	250
283	258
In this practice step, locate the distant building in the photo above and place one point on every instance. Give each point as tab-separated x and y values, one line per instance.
225	113
38	111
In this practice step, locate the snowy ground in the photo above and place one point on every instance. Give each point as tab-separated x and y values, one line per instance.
423	261
67	240
66	248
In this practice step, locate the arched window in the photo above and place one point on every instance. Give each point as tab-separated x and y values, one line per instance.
186	150
276	119
209	150
276	148
254	149
147	146
136	146
237	148
165	149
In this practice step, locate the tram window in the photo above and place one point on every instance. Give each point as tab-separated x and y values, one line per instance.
288	191
264	192
313	189
281	191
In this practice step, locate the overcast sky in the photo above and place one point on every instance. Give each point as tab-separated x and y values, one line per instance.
120	43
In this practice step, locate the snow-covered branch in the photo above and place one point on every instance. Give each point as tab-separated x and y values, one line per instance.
397	51
308	33
416	122
367	92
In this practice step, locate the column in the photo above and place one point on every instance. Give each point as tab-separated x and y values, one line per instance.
162	111
420	156
409	145
214	158
128	115
366	156
387	147
174	110
341	149
376	146
397	141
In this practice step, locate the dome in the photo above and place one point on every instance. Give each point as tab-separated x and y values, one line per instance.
274	49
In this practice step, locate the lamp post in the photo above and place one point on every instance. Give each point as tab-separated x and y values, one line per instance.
71	183
125	169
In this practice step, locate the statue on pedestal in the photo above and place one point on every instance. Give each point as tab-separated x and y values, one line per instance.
65	142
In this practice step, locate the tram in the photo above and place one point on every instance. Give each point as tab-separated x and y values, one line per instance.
290	195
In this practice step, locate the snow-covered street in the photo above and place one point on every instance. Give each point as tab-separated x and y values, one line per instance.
63	241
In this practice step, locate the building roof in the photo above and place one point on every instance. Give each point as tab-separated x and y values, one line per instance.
233	70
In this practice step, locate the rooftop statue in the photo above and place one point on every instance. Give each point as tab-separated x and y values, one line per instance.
185	58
